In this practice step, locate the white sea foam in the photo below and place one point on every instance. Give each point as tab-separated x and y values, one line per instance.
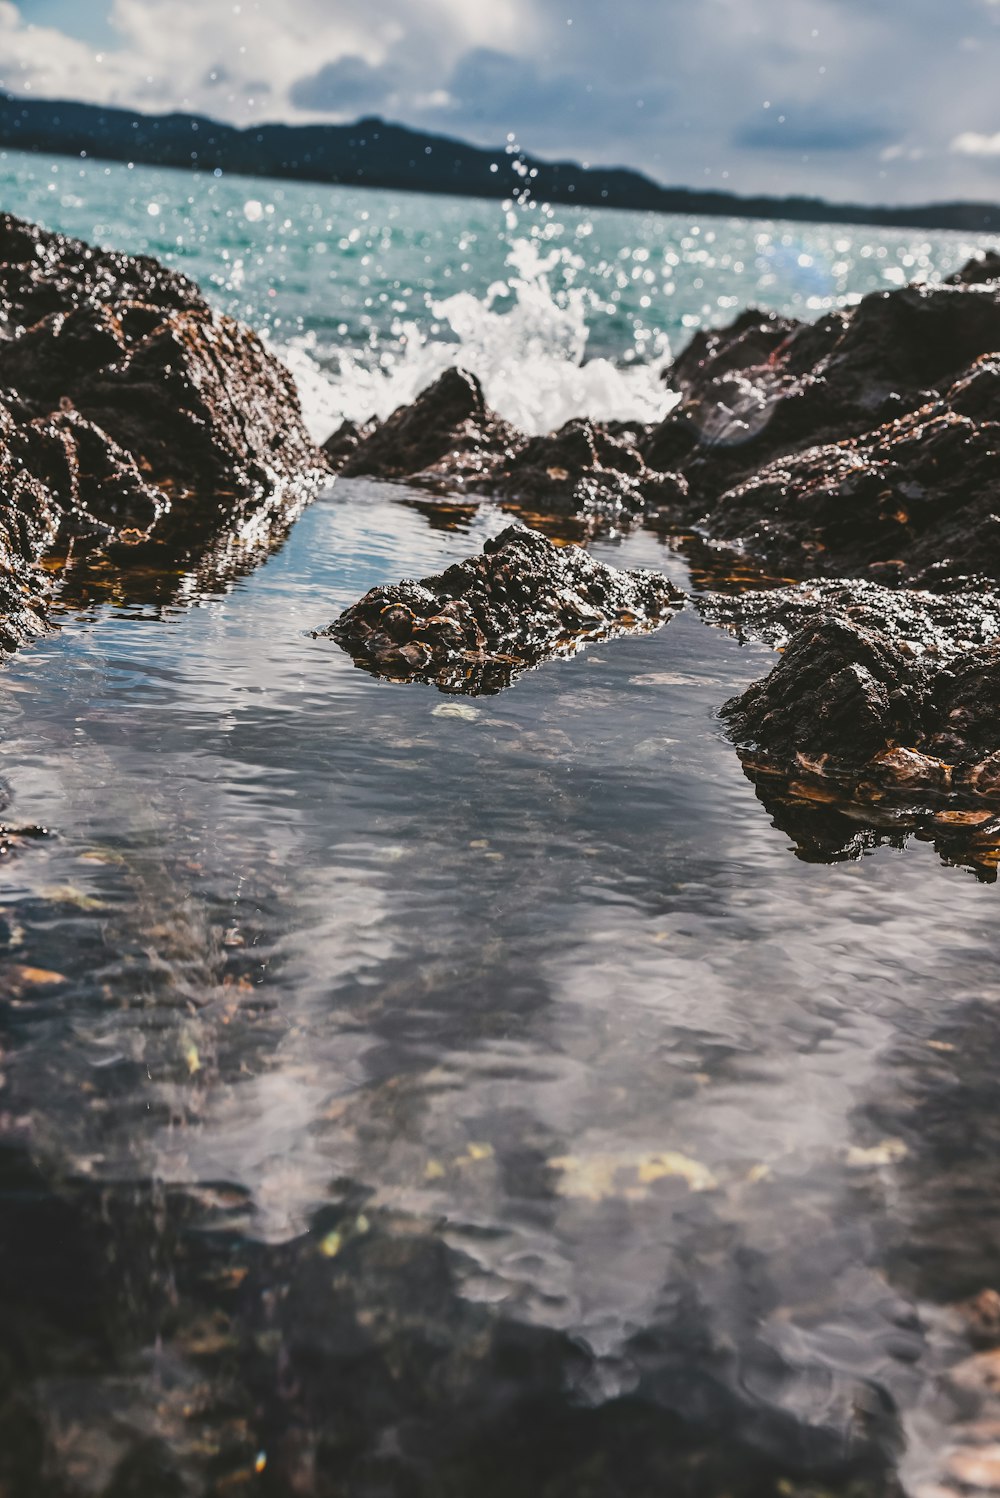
525	340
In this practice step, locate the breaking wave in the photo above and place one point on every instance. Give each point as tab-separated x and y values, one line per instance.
525	340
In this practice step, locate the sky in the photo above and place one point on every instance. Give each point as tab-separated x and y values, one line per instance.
869	100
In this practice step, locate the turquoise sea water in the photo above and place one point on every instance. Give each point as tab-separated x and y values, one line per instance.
381	291
403	1101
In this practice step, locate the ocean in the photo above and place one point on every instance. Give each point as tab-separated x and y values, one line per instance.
414	1095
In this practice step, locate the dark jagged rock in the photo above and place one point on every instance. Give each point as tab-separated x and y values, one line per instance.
852	372
750	341
192	396
449	440
133	413
862	719
922	491
448	432
345	441
840	691
939	624
853	741
582	469
476	626
42	273
977	271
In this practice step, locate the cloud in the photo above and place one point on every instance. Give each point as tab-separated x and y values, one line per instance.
970	143
346	87
493	93
888	102
802	130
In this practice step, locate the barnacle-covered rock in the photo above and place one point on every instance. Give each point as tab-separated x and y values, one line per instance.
476	626
855	722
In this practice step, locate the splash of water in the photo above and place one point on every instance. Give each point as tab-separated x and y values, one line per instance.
526	340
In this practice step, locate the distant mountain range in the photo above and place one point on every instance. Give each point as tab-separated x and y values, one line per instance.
373	153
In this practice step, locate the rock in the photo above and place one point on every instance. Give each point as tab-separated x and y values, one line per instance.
447	434
822	387
920	491
749	342
919	621
583	469
341	446
840	693
475	627
41	273
132	414
852	719
449	440
977	271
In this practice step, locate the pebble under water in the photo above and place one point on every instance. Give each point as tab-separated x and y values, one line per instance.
410	1094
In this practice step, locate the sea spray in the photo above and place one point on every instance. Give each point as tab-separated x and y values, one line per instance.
526	339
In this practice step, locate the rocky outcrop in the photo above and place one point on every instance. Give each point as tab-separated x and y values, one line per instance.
42	273
937	624
448	435
583	469
977	271
133	416
450	441
823	429
476	626
919	492
851	717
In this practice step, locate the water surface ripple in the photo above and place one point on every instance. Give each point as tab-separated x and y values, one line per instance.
394	1081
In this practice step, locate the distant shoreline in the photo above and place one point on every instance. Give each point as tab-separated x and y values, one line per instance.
375	154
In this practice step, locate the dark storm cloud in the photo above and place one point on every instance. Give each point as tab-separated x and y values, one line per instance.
798	130
495	90
350	84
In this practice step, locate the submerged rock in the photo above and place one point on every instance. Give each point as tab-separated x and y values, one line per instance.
476	626
132	413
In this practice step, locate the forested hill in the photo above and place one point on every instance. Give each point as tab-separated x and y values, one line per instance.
372	153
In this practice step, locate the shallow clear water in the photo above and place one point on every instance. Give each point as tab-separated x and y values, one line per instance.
399	1099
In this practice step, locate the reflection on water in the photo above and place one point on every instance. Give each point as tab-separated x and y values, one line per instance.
399	1102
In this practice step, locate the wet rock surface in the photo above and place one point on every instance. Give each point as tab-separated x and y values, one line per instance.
584	468
450	441
476	626
447	436
920	621
866	440
767	388
132	414
917	493
854	722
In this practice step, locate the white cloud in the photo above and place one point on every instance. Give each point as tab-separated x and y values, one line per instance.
894	101
970	143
